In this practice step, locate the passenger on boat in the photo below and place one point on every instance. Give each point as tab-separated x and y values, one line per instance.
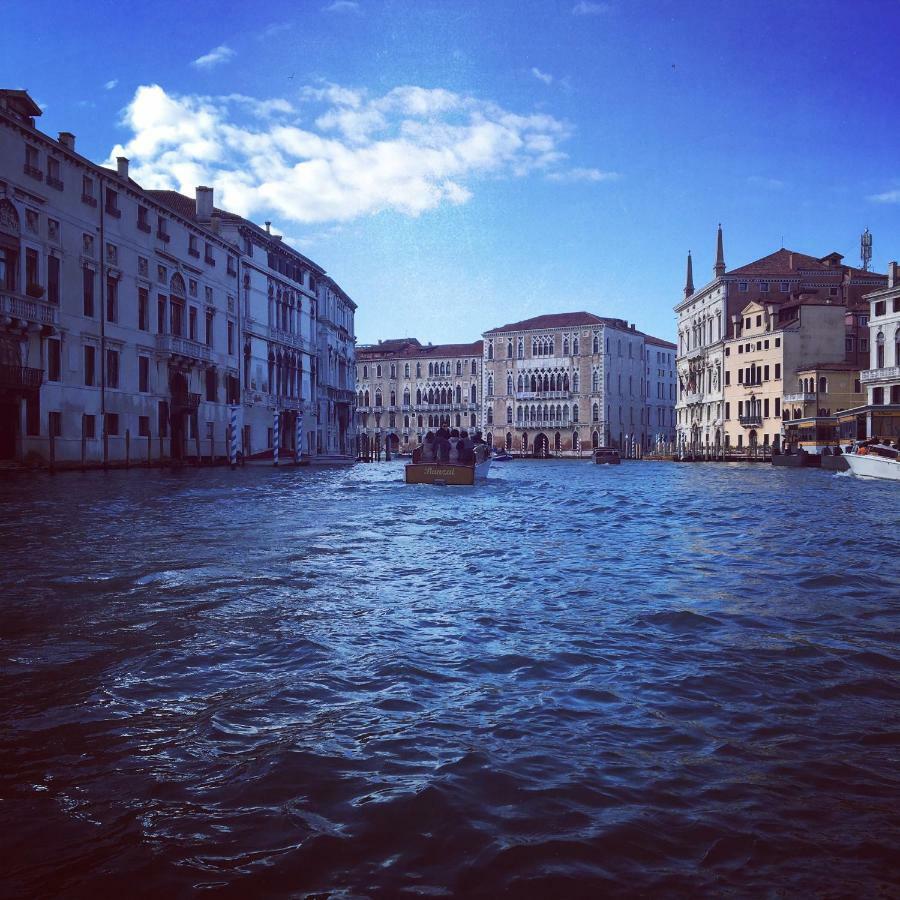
453	455
427	448
466	448
442	444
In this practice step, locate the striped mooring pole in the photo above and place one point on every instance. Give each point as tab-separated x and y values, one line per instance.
298	439
276	439
233	437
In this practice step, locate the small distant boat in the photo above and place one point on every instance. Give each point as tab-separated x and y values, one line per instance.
875	460
503	456
607	456
446	473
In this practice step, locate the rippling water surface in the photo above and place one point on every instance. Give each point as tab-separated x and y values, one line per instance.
570	681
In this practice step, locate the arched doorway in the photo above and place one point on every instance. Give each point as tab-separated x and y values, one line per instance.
754	441
595	440
508	441
180	408
557	442
393	442
541	446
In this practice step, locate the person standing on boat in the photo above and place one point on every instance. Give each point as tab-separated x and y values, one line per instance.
466	448
442	444
428	447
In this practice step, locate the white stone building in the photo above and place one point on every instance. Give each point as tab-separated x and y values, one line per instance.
882	379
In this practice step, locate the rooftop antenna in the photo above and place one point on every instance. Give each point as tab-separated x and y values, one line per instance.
865	249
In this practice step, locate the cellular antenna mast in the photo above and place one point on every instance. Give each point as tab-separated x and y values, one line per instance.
865	249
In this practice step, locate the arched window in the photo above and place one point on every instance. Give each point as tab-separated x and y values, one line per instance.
575	346
520	383
458	420
509	350
430	395
393	398
595	412
575	383
473	393
490	386
359	401
596	348
406	370
557	442
442	397
378	398
406	421
458	394
509	384
575	412
565	346
474	368
879	351
418	396
378	371
367	399
519	414
595	381
823	382
490	351
421	419
509	415
393	370
430	370
565	382
490	415
458	367
418	370
365	371
520	351
406	397
533	384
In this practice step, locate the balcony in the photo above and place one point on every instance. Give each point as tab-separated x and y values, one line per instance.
162	236
880	376
188	403
804	397
28	309
273	401
54	183
543	395
179	346
89	200
754	420
289	338
112	211
694	397
33	172
20	378
209	260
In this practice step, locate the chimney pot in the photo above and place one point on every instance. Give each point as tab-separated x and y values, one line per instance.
204	203
268	227
67	139
893	274
122	166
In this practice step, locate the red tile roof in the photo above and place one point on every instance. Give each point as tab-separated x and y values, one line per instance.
558	320
659	342
790	262
831	367
412	348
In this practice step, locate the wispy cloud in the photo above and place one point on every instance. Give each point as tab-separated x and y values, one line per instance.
274	29
352	154
343	6
541	76
111	84
586	8
570	176
886	197
215	57
760	181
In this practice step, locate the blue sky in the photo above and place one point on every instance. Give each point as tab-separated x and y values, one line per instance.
458	165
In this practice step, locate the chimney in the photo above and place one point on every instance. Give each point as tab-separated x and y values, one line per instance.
893	274
268	227
67	139
122	166
791	262
204	203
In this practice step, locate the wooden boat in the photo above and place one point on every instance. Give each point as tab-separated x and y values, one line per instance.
607	456
503	457
446	473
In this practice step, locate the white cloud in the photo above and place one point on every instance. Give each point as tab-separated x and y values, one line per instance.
220	54
541	76
111	84
586	8
570	176
351	154
772	184
886	197
342	6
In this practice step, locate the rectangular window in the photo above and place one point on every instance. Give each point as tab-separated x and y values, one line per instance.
758	321
144	374
90	365
211	385
161	315
88	291
87	191
765	407
764	287
53	359
209	328
740	407
742	287
143	309
112	300
833	292
176	319
162	230
727	377
32	278
144	426
880	308
740	348
863	345
143	221
777	407
785	287
193	245
740	376
53	279
777	370
112	368
231	338
208	257
848	344
727	410
54	423
766	373
192	323
778	342
89	426
112	204
112	423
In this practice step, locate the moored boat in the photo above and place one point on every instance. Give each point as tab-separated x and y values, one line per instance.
875	460
607	456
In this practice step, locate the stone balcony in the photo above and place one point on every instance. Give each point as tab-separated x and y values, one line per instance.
273	401
20	378
183	347
754	420
804	397
30	310
887	375
543	395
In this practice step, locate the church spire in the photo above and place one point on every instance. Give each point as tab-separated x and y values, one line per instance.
719	268
689	282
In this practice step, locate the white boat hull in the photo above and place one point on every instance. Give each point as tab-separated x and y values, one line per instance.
481	469
872	466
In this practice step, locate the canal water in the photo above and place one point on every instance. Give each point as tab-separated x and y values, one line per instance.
570	681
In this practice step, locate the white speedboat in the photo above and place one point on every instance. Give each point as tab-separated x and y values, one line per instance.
875	461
